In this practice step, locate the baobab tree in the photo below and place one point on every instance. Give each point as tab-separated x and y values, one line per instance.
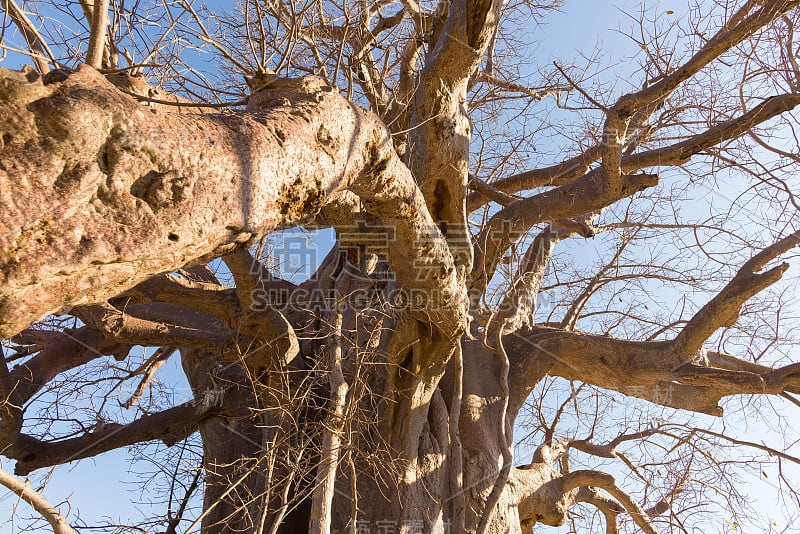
141	187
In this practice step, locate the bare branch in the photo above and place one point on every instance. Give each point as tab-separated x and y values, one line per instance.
618	117
675	154
322	496
510	223
32	454
456	448
60	352
609	507
39	503
680	153
246	271
518	306
609	449
125	328
97	38
10	407
478	185
723	310
158	359
40	51
510	86
652	370
571	317
554	175
608	483
175	521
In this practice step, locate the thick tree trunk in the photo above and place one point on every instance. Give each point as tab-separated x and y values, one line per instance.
406	429
388	491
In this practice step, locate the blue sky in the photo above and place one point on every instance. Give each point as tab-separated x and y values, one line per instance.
103	487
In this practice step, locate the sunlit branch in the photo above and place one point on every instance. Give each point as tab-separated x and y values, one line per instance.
608	483
38	502
512	222
40	52
723	310
97	37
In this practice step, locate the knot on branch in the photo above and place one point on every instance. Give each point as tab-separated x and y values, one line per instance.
21	87
162	190
269	90
633	183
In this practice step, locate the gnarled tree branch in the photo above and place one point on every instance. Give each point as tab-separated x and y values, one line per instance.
277	165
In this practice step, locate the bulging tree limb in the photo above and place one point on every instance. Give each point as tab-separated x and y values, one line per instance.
116	193
107	192
653	371
440	132
419	256
587	478
545	495
209	298
677	373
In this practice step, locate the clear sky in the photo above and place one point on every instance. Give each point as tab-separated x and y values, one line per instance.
103	487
